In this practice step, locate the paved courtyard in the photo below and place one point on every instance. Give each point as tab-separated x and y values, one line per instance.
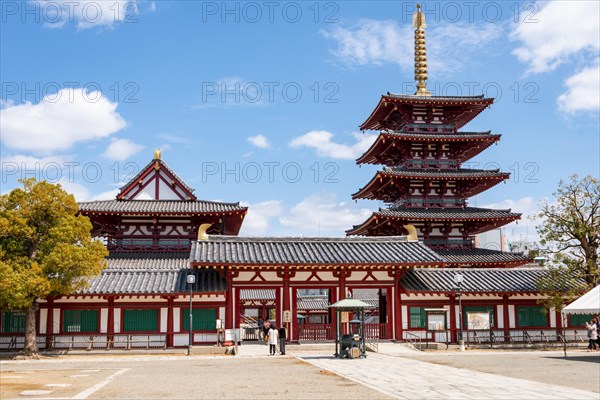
307	372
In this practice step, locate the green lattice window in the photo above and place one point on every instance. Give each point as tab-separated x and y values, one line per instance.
532	316
140	320
80	321
203	319
579	319
13	322
474	309
417	317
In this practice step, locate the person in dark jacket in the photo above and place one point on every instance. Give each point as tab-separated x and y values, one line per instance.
282	336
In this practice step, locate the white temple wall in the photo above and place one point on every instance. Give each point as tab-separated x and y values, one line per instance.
43	322
103	320
500	316
163	319
511	316
176	319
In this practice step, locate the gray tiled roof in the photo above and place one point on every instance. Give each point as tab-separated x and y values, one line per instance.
453	136
448	173
163	165
313	304
233	250
158	206
257	294
148	274
475	280
446	213
481	256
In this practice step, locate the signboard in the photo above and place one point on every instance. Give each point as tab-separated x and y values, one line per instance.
478	320
436	322
219	324
344	316
287	316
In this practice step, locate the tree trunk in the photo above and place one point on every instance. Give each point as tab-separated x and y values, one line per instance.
31	347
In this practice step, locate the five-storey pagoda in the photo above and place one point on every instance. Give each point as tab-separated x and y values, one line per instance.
423	182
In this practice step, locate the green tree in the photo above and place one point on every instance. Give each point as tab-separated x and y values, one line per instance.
570	235
46	249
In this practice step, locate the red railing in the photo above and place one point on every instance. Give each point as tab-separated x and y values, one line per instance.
316	332
379	331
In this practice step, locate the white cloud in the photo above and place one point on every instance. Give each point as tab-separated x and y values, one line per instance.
525	229
234	91
260	141
556	33
380	42
325	147
82	193
583	91
372	42
322	214
87	13
121	149
6	103
108	195
53	169
260	217
59	121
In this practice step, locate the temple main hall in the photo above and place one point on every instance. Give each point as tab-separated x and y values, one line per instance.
416	262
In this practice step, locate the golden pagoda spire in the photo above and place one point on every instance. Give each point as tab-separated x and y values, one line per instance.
157	154
420	53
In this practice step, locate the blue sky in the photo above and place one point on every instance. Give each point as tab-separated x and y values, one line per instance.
260	102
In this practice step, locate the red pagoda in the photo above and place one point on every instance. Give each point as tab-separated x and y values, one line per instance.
423	182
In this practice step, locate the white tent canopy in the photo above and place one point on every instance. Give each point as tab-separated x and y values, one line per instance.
589	303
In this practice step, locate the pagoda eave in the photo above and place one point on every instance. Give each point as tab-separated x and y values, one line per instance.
393	148
389	105
381	225
390	186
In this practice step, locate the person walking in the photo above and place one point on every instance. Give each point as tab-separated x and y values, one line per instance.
598	330
273	336
282	337
592	334
261	325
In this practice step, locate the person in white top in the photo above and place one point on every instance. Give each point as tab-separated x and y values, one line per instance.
273	337
592	335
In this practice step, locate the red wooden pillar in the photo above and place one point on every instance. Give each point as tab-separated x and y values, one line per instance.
453	320
170	327
342	283
277	307
236	305
505	317
334	299
397	310
286	297
49	323
229	323
110	323
559	323
389	311
294	325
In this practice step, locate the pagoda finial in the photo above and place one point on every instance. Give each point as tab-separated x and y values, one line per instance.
420	53
157	154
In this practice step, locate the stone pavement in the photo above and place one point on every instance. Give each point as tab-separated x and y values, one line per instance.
405	378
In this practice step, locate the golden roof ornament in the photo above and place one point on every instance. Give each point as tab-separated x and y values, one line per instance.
420	53
157	154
